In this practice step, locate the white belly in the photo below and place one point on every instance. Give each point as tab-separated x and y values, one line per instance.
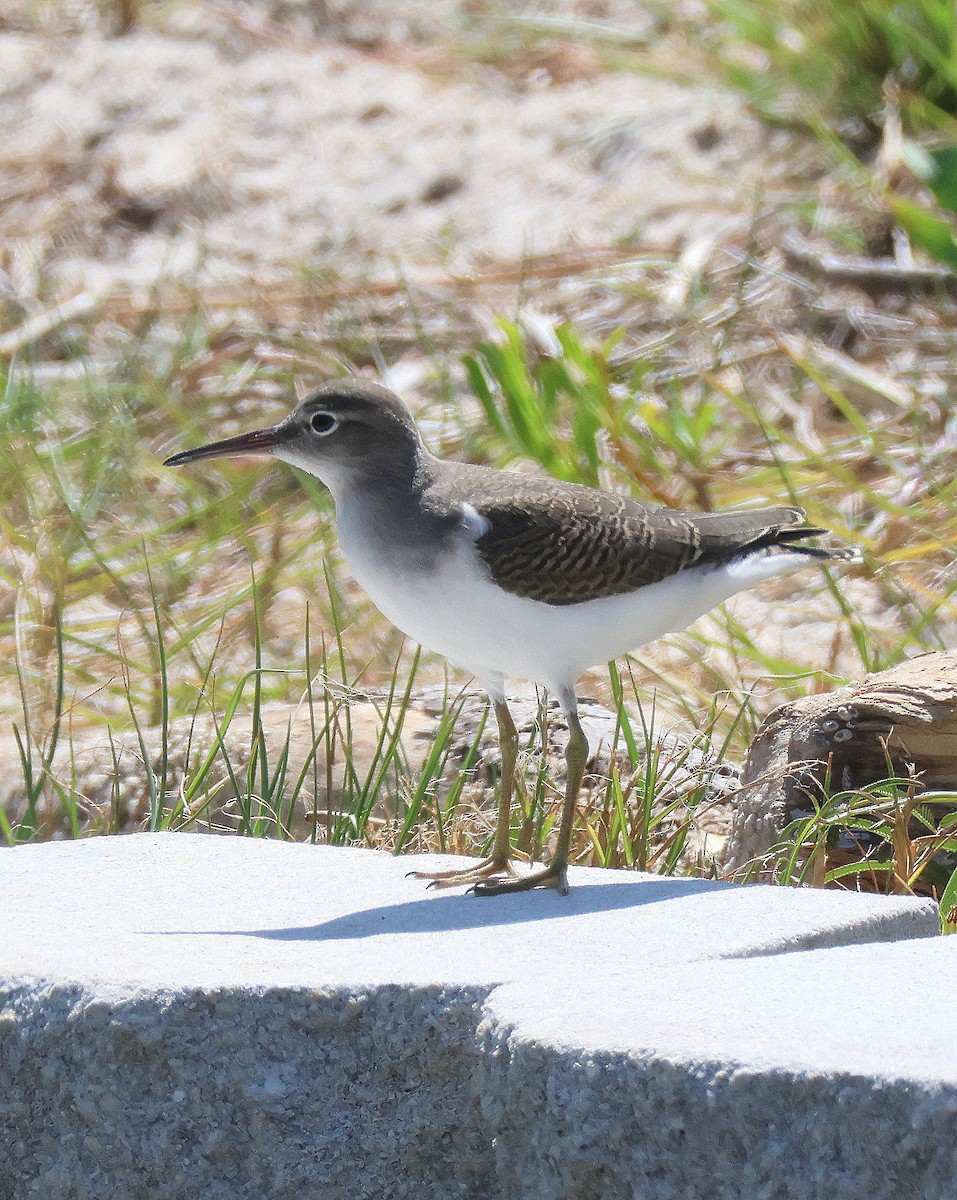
460	613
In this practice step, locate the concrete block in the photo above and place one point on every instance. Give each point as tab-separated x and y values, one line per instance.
829	1074
184	1016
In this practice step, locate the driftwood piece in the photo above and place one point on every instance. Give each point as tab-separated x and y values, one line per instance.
903	721
104	777
98	782
108	783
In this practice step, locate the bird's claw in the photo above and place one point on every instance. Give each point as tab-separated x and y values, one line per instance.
481	872
553	876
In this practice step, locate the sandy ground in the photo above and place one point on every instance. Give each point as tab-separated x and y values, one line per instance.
220	146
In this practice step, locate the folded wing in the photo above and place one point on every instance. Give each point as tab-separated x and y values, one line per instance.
567	545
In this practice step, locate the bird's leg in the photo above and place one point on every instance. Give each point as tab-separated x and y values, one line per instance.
555	875
497	863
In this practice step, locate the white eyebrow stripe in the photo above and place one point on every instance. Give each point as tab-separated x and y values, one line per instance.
473	522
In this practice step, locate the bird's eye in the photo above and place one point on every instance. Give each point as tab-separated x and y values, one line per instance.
323	423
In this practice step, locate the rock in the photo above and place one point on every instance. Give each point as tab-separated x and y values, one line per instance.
252	1019
902	721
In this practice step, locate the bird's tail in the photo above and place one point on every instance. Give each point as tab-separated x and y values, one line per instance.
791	539
731	536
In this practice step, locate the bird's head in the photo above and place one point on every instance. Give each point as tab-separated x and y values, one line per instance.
345	430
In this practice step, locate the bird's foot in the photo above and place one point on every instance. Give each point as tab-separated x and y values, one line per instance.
482	872
553	876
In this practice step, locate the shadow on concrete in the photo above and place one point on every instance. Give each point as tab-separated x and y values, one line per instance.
440	914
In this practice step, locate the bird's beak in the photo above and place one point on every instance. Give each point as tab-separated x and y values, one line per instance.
260	441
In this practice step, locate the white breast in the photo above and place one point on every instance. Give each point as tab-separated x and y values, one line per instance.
457	611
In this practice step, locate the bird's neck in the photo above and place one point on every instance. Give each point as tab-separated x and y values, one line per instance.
383	509
393	485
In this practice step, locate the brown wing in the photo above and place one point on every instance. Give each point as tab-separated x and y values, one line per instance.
565	544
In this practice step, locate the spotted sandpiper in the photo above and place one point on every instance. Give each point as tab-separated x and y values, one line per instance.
514	575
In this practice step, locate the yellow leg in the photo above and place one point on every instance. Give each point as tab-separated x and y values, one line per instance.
497	862
555	875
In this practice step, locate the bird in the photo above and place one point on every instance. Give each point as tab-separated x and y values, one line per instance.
509	575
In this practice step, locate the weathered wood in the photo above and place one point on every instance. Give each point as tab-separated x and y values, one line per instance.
901	722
